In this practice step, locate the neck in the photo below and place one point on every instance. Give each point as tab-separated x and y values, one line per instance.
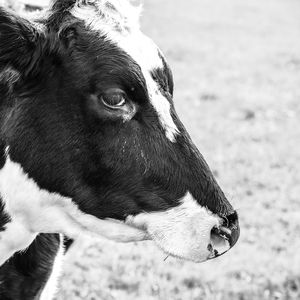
24	275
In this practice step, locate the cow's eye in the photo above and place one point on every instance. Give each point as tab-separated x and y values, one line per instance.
111	104
114	99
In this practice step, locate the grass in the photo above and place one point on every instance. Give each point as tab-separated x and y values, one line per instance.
237	71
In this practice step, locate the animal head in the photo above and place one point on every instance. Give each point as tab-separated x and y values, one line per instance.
87	111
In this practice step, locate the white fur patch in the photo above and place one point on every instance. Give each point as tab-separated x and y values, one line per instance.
50	288
117	14
183	231
122	27
34	211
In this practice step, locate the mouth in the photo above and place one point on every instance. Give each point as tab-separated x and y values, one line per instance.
223	238
220	237
181	241
188	231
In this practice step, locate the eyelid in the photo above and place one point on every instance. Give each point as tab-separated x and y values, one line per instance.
114	90
103	112
117	105
113	94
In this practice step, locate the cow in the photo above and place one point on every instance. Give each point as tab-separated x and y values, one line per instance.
91	144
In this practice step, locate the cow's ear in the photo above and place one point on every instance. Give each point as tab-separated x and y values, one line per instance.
18	43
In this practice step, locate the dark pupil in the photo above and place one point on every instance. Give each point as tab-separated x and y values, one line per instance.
113	99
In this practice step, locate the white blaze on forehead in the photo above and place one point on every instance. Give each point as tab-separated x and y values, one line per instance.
141	48
119	14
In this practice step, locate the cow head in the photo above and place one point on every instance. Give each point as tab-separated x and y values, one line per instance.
87	111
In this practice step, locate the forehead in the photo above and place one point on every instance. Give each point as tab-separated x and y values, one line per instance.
118	20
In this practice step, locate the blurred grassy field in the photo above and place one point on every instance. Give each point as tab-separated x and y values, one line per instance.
237	71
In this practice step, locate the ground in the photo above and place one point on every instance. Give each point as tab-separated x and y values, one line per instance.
237	71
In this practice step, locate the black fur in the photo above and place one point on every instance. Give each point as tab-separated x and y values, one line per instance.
18	42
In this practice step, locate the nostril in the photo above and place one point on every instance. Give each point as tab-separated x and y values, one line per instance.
219	242
232	218
225	236
232	224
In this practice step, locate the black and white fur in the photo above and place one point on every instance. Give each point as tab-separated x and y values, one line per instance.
90	143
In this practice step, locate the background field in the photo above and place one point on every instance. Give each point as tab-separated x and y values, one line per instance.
237	71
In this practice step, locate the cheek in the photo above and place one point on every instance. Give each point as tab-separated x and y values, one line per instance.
119	150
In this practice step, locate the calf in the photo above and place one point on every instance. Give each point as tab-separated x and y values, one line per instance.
90	142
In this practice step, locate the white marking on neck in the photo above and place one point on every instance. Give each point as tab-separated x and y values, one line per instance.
34	211
141	48
51	286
